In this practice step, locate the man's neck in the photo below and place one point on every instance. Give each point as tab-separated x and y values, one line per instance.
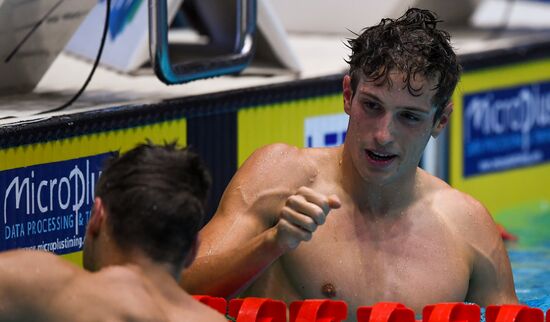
164	271
377	198
162	275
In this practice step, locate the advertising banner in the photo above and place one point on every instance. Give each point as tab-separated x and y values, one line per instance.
506	128
47	188
47	206
499	143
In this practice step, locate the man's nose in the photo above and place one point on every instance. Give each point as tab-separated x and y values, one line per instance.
384	133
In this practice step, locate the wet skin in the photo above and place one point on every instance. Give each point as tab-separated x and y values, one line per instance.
360	222
118	285
40	286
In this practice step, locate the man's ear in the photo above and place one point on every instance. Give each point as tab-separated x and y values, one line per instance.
97	217
443	120
347	91
192	253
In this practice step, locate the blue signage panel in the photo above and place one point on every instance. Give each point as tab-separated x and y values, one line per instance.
325	130
47	206
506	129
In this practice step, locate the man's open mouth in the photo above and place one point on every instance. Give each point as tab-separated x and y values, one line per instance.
377	156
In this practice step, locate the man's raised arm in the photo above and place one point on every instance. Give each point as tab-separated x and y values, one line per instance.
262	215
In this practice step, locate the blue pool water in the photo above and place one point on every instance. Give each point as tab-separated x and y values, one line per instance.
531	269
530	255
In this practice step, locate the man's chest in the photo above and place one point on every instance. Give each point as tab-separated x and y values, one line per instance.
364	266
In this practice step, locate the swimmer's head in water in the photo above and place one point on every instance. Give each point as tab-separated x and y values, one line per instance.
154	197
411	45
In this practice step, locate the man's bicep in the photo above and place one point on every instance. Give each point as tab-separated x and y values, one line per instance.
491	282
240	216
251	202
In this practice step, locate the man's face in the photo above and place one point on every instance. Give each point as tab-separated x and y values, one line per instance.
388	127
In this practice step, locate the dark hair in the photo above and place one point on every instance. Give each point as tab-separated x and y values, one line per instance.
155	198
412	45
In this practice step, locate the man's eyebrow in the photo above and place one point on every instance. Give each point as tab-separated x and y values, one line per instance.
416	109
410	108
371	96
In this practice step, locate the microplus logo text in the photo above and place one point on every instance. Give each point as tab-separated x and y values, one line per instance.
506	129
47	206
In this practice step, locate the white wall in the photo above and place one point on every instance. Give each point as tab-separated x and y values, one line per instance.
334	16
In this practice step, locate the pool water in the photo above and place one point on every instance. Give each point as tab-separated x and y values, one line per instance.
530	255
531	269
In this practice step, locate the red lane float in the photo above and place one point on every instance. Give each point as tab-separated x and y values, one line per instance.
269	310
513	313
385	312
505	234
253	309
451	312
217	303
318	311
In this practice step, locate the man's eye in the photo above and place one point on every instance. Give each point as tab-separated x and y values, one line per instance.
371	105
411	117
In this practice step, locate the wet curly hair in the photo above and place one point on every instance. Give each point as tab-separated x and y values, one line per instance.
411	44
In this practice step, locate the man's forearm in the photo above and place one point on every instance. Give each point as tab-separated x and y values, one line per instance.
228	273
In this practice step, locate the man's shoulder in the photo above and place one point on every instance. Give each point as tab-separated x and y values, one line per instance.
287	151
45	263
33	280
455	203
280	159
270	175
466	215
138	297
447	197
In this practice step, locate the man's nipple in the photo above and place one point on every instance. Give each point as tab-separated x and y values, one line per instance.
328	290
